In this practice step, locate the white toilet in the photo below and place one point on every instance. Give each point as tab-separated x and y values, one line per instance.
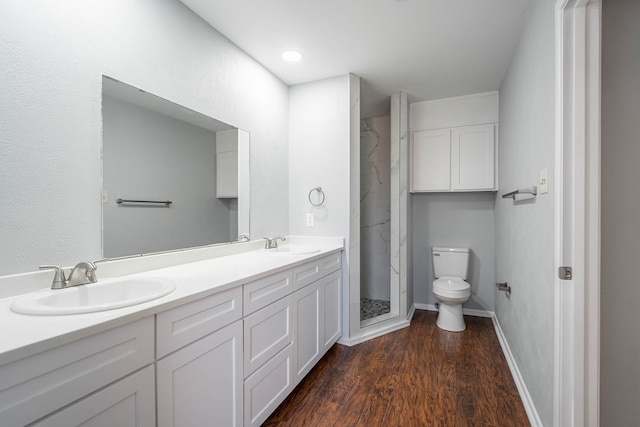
450	268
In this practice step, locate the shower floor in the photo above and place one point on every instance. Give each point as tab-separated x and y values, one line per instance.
370	308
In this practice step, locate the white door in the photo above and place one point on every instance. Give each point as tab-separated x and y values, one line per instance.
577	216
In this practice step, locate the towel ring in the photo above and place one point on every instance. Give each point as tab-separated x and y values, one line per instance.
320	193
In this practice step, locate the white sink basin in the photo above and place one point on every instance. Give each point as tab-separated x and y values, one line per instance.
104	295
292	250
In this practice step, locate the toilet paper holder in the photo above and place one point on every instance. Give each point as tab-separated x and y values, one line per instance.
504	286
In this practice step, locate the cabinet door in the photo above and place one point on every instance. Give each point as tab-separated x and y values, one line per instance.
332	309
473	158
201	384
430	160
308	325
267	388
129	402
227	175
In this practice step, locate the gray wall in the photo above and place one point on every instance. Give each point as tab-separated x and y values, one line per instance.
458	220
524	230
147	155
53	58
620	292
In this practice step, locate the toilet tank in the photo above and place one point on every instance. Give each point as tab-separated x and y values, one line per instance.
450	262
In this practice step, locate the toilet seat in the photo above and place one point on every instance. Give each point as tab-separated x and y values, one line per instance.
451	287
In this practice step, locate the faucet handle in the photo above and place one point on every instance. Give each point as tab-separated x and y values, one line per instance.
59	279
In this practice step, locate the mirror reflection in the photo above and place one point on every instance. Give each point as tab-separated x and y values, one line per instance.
172	178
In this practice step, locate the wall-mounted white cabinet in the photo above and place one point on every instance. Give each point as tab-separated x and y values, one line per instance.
227	164
456	159
462	154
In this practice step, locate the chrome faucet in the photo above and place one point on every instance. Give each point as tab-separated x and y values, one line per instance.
84	272
272	243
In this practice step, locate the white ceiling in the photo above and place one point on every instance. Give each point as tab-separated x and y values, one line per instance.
430	49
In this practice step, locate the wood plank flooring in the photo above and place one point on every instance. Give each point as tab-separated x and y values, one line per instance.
418	376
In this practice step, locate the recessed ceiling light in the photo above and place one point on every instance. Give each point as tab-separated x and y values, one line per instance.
291	55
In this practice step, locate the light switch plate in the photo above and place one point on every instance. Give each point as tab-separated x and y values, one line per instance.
105	196
310	220
543	182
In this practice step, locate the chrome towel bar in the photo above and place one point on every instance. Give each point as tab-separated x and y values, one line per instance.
530	190
157	202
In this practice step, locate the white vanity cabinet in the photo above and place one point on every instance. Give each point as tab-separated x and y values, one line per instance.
316	311
36	387
454	159
200	383
226	359
285	338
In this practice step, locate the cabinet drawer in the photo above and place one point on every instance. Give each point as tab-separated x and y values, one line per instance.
182	325
262	292
314	270
266	332
40	384
130	401
267	388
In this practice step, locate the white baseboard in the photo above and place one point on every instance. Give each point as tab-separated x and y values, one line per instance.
465	311
375	331
529	407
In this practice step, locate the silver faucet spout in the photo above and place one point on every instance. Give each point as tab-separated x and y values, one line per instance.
272	243
83	273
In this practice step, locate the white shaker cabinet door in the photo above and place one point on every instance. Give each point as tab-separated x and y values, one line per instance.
473	158
129	402
201	384
431	160
332	309
308	327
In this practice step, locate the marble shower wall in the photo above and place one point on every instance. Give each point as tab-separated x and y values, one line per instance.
375	214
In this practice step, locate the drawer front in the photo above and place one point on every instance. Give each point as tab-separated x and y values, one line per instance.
267	388
266	332
40	384
262	292
182	325
316	269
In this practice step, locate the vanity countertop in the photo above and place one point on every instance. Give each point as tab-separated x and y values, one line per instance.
25	335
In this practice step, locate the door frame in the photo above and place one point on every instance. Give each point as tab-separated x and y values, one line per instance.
577	213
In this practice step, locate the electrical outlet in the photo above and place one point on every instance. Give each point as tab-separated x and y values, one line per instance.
543	182
310	220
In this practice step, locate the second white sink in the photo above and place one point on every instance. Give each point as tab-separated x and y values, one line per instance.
292	250
104	295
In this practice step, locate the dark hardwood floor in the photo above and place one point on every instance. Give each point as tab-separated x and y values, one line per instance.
418	376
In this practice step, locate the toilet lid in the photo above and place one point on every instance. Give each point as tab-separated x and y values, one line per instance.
451	284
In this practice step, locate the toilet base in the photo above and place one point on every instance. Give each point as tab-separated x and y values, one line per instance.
450	318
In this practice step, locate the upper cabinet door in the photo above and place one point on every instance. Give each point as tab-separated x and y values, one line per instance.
473	158
430	160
